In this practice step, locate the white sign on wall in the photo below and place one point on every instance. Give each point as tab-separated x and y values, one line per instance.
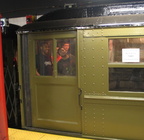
131	55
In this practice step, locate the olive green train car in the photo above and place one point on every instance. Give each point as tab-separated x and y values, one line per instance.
101	95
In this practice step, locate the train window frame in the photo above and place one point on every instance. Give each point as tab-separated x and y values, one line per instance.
70	66
123	65
130	51
43	48
53	36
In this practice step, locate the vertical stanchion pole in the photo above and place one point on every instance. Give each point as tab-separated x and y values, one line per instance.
3	114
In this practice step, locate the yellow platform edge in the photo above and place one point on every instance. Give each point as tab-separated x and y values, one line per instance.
19	134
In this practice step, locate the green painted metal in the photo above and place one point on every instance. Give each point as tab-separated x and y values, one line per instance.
107	114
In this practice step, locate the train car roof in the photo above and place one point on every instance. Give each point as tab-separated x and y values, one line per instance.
90	17
85	23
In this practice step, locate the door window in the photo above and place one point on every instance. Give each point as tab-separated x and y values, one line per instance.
66	62
44	61
62	60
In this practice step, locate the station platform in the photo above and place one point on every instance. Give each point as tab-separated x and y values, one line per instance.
18	134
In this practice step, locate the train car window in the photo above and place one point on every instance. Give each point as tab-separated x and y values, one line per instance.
66	61
126	50
44	58
126	79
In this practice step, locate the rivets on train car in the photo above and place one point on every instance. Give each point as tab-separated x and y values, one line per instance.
102	57
103	84
102	75
93	75
93	66
92	48
86	133
102	66
84	57
93	83
93	57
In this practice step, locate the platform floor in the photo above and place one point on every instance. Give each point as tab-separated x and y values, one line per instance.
18	134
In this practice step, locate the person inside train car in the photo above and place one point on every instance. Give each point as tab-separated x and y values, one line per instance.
44	64
66	65
66	46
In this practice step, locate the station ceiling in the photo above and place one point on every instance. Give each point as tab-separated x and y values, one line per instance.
20	8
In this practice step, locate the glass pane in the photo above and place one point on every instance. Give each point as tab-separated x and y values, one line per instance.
126	79
44	64
126	50
66	61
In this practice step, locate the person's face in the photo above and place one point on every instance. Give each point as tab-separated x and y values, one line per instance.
45	48
66	46
62	52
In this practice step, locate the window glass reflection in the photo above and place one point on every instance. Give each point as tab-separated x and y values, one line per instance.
66	62
126	79
126	50
44	64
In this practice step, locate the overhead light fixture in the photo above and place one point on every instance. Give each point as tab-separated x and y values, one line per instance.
126	9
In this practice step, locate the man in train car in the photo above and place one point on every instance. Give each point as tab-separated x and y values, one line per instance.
44	64
66	65
66	46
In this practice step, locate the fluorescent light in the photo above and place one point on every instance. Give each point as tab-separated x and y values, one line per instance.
127	9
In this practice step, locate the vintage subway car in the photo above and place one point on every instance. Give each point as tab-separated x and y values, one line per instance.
82	72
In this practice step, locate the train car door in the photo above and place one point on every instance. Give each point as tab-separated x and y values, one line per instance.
54	81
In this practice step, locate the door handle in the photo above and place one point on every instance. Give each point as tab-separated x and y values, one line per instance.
80	93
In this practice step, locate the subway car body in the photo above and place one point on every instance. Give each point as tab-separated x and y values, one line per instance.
96	87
